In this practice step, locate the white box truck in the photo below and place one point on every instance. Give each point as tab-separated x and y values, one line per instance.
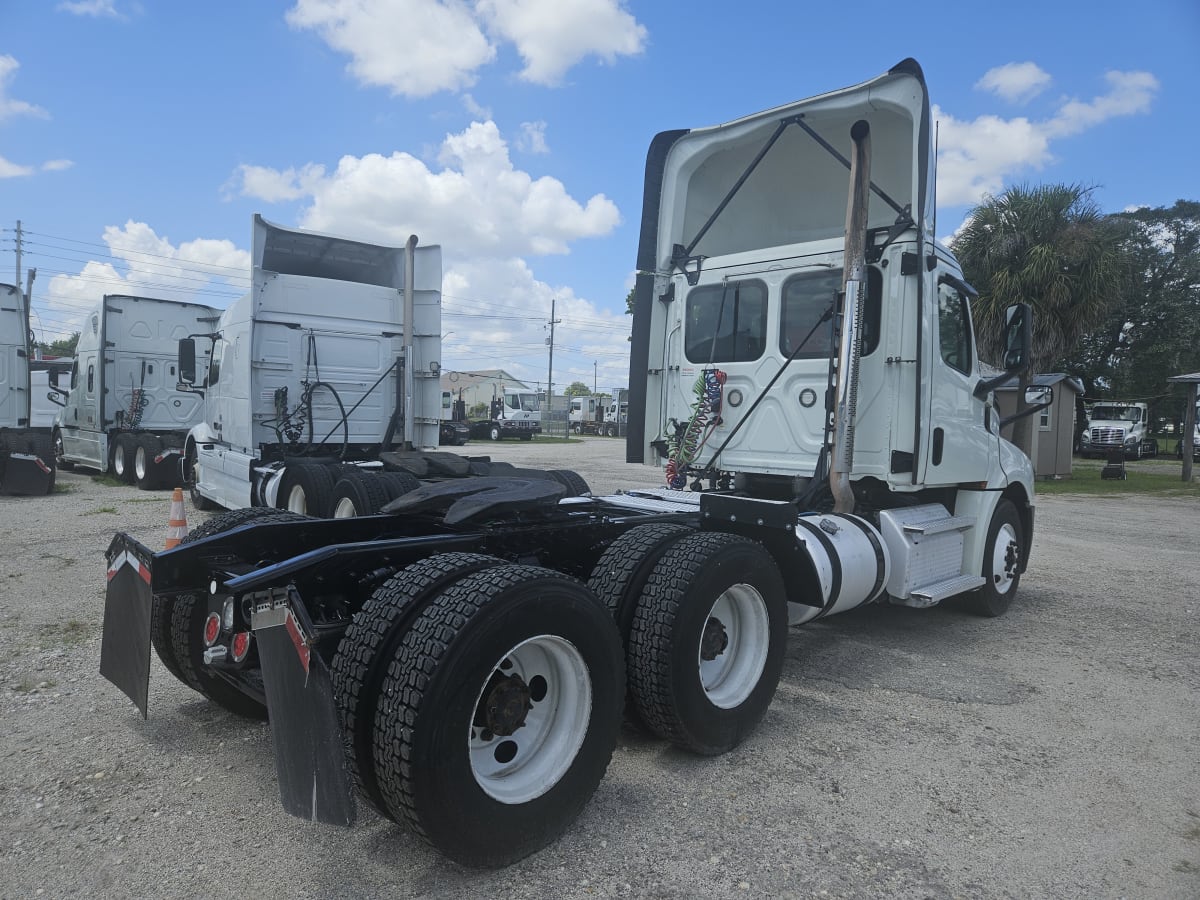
124	412
26	449
803	359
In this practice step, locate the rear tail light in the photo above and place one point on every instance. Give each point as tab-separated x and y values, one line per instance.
241	645
212	629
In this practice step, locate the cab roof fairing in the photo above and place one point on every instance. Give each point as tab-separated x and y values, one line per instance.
798	191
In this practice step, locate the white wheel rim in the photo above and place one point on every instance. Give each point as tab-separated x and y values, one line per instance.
345	509
297	500
522	766
139	463
1006	538
731	676
119	460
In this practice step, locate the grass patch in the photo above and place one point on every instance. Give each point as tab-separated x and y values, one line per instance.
148	500
99	510
70	632
1144	477
108	480
63	488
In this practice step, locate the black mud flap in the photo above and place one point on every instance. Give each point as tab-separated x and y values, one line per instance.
306	730
125	648
27	475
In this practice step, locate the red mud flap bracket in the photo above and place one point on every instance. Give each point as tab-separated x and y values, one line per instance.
125	648
306	729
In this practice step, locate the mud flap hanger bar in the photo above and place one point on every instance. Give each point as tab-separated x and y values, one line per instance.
681	256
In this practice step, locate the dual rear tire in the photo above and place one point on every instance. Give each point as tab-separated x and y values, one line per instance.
481	703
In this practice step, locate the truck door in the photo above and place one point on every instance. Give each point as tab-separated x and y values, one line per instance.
958	446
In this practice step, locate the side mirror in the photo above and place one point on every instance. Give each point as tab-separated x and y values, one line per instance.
1038	396
57	397
187	361
1018	337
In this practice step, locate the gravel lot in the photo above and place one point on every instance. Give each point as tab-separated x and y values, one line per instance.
1050	753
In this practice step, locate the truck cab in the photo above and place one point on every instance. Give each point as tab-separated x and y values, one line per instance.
1117	426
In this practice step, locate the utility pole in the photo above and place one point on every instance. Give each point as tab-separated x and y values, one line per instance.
595	374
550	371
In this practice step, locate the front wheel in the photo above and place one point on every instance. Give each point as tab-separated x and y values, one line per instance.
495	433
60	459
499	713
1001	563
191	477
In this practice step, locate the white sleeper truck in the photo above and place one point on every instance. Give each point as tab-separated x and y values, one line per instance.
26	448
311	375
803	370
124	412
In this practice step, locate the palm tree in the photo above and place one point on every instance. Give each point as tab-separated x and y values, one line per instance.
1049	246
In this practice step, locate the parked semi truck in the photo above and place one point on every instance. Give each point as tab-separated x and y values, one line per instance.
26	448
321	377
511	413
1117	426
124	412
803	360
587	414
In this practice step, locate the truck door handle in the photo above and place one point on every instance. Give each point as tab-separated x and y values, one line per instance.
939	438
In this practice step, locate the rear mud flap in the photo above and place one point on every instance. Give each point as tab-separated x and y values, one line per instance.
26	475
306	729
125	648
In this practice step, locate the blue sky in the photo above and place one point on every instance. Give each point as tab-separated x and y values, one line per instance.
138	138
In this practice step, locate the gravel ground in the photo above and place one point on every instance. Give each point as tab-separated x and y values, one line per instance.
1049	753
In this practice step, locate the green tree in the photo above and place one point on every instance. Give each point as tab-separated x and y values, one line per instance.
1051	247
577	389
61	347
1153	331
629	303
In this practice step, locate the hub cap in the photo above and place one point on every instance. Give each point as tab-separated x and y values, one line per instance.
733	646
530	719
1006	558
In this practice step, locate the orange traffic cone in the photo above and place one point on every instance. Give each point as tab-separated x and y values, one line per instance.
177	528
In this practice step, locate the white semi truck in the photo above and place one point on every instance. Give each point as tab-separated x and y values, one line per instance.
124	412
26	448
1118	426
511	413
803	360
311	376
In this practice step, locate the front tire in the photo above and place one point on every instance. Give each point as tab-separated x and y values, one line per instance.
1001	563
500	713
61	462
495	433
707	641
192	480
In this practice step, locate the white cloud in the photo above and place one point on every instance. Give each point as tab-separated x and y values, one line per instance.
478	204
533	138
477	111
57	165
143	263
1015	82
412	47
272	185
13	170
96	8
9	107
554	35
976	157
420	47
487	215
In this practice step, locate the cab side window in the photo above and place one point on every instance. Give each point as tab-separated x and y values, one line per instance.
726	322
954	329
808	297
214	365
